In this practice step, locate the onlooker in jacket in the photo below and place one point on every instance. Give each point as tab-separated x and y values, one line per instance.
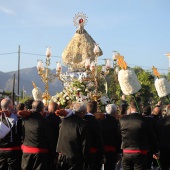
10	145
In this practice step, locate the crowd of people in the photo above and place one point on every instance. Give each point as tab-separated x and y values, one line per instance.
129	136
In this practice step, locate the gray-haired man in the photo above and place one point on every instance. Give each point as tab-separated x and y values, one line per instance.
10	145
72	140
111	136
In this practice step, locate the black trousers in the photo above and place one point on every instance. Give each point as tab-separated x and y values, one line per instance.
110	160
10	160
135	161
65	163
94	162
150	160
165	158
39	161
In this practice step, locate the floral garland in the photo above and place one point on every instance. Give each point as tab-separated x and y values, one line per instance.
77	91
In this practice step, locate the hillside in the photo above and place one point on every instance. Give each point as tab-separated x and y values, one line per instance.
28	75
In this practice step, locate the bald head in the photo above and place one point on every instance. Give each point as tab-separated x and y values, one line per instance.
6	104
123	97
156	111
52	107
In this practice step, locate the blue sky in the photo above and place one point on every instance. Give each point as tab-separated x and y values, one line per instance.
137	29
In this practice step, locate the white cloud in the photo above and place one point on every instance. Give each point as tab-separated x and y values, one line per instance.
6	11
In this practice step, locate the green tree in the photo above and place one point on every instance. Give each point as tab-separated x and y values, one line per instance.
114	90
147	92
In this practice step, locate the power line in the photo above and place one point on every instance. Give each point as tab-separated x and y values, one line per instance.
37	54
147	67
8	53
100	59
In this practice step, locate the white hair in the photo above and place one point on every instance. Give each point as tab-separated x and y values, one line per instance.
111	108
79	107
168	110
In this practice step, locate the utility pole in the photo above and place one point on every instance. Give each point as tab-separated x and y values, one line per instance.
18	71
13	90
23	93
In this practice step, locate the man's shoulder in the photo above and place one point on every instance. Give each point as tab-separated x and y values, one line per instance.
132	116
163	121
53	116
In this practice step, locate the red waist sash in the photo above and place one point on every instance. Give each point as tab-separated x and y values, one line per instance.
11	149
28	149
109	148
135	151
93	150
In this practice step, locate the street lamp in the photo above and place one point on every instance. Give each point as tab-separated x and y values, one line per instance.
168	55
46	75
115	53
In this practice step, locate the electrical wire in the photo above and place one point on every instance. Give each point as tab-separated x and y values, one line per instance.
100	59
37	54
8	53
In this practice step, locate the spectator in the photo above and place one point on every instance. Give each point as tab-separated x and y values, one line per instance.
10	145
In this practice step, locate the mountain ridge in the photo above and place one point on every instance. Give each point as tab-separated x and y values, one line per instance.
27	75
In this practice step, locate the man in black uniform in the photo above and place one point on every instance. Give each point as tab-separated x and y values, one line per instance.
137	136
163	133
10	145
54	122
72	140
111	136
38	145
96	155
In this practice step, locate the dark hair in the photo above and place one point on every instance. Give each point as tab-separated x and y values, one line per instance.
133	102
147	110
123	109
52	107
28	104
37	106
20	106
92	107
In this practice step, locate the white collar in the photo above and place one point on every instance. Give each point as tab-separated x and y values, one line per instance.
134	112
70	112
89	114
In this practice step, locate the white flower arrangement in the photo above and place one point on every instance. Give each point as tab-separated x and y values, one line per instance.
77	92
74	92
128	81
162	87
